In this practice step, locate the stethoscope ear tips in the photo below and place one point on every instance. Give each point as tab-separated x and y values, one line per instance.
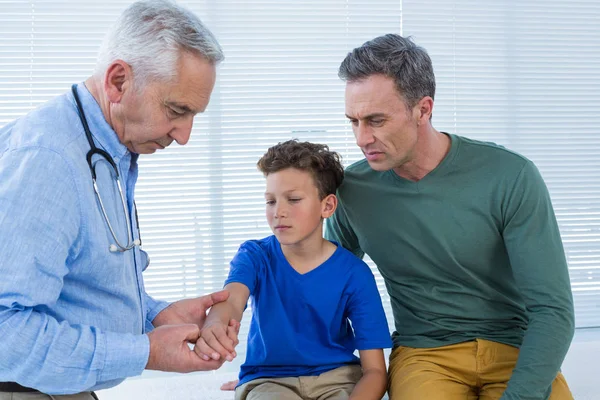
113	248
137	242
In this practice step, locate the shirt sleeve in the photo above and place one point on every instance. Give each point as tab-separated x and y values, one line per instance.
40	215
365	310
533	243
338	229
153	308
244	267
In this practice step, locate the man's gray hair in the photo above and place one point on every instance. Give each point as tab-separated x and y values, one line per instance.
150	36
396	57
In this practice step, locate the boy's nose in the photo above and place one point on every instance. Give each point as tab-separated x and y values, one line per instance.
280	212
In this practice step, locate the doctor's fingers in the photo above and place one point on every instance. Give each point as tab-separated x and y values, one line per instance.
196	363
211	299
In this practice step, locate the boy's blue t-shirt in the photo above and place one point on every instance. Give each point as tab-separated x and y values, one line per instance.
306	324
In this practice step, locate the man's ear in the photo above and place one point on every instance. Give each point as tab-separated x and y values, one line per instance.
423	110
117	80
328	205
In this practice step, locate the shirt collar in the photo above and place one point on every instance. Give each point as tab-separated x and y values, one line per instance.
103	134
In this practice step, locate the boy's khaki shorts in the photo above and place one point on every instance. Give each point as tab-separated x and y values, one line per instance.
336	384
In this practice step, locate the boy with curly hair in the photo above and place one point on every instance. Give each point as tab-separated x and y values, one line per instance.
313	302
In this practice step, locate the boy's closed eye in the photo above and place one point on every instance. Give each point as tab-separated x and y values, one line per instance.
290	200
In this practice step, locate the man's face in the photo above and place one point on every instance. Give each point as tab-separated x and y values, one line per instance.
384	128
293	207
162	112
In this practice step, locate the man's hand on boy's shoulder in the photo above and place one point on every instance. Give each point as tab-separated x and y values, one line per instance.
217	341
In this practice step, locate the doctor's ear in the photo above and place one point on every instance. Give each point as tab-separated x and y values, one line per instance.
117	80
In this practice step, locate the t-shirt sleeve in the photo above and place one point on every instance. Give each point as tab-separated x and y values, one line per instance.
338	229
365	310
245	266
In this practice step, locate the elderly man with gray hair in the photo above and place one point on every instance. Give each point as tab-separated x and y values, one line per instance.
74	315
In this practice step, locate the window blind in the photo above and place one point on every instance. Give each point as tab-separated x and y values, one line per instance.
199	202
279	81
526	74
522	74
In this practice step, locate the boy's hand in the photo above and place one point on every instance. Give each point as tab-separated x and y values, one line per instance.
230	386
218	341
169	350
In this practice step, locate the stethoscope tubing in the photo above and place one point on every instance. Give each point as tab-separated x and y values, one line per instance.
117	247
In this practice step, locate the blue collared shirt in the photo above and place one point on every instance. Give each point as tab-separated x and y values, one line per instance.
72	314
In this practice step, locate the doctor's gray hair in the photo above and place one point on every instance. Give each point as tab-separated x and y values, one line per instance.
150	36
396	57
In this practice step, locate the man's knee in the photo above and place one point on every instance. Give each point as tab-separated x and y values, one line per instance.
431	386
560	389
416	374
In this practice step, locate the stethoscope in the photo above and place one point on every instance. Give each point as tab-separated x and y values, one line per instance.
117	246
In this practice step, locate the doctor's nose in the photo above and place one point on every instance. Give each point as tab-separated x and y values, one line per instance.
182	131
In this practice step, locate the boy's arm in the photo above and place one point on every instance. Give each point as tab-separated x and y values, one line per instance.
218	338
373	383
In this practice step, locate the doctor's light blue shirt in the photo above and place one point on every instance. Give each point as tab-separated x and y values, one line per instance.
72	314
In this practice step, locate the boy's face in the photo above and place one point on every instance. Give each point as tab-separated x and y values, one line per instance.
294	211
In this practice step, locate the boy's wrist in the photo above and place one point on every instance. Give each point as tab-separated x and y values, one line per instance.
218	316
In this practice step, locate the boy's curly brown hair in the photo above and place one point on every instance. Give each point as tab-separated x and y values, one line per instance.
323	164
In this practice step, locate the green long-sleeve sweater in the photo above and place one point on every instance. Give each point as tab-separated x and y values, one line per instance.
472	250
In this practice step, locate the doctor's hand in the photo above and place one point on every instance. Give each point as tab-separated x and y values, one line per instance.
189	311
217	341
170	351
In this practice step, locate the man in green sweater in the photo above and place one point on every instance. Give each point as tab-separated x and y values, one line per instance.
464	234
